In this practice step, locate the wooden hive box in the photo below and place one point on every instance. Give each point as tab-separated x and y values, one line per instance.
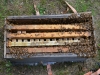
57	38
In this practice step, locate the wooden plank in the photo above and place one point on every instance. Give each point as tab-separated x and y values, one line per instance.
49	69
45	49
33	17
45	27
19	32
48	35
41	43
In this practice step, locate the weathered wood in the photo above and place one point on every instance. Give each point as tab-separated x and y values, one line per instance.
48	35
41	43
32	17
72	8
46	27
36	9
49	69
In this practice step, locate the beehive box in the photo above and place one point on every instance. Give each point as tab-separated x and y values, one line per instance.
49	38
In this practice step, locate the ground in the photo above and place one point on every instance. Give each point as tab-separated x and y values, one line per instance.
25	7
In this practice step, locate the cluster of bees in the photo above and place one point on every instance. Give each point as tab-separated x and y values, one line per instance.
18	52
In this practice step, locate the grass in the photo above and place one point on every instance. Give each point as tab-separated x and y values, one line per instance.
81	6
16	7
84	6
41	7
25	7
8	66
98	57
62	72
81	73
5	68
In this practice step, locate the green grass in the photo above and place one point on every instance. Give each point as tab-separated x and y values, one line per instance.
81	6
84	6
8	66
15	8
81	73
62	72
41	7
98	55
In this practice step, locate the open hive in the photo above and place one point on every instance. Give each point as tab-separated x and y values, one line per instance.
68	35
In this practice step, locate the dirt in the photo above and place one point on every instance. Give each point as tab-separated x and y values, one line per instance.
21	7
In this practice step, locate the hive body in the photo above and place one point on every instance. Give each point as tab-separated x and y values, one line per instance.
46	38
